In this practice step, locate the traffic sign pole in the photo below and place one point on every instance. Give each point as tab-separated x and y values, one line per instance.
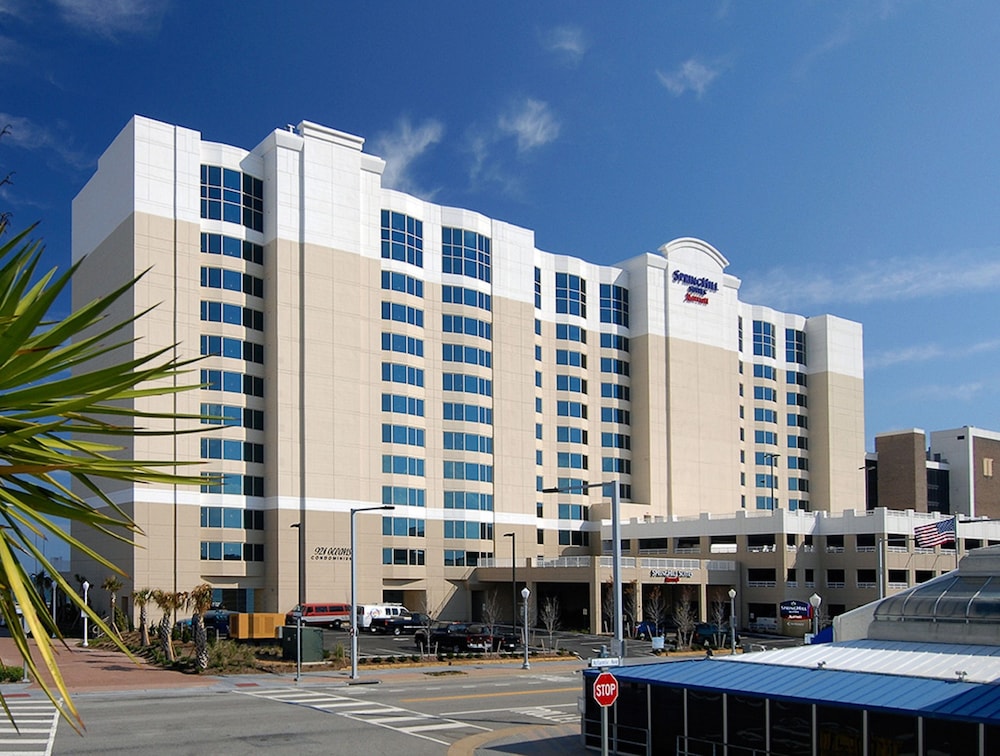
605	694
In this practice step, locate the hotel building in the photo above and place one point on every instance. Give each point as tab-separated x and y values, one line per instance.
364	348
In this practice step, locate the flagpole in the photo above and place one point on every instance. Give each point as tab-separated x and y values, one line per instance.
957	542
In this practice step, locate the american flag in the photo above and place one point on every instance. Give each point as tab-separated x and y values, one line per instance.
935	533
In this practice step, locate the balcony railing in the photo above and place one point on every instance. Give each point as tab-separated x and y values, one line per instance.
762	584
834	583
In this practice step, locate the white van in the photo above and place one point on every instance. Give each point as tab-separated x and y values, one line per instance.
368	612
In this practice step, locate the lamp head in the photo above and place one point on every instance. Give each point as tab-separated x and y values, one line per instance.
815	600
732	593
525	593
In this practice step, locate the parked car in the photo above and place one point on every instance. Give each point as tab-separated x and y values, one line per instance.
463	636
648	629
215	620
715	635
321	615
398	625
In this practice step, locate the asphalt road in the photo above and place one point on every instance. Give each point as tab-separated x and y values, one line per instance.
418	714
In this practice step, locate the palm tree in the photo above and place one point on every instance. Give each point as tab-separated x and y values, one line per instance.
61	414
141	599
169	602
112	585
201	602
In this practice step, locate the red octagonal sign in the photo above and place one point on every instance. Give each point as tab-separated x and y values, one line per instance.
605	689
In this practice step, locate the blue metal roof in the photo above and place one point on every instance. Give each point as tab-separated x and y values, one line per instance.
950	699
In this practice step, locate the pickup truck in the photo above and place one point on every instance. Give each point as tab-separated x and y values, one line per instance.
407	623
462	636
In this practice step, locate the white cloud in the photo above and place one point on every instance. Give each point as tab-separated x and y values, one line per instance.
691	75
27	135
111	17
401	148
893	279
849	26
531	122
929	352
567	42
940	393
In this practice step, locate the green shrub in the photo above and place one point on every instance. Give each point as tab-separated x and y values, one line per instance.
11	674
230	656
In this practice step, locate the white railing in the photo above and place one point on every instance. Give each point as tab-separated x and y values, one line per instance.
867	585
609	561
834	583
688	550
898	586
671	564
762	584
834	549
577	561
791	583
865	549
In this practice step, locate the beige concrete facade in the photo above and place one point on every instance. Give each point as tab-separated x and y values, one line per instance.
356	374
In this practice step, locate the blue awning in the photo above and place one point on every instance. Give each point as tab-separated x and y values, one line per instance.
948	699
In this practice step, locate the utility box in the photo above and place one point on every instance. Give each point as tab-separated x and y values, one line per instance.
312	643
258	626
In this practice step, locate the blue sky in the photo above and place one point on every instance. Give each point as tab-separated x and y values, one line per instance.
842	155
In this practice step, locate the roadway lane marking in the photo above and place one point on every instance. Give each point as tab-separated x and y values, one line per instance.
375	714
486	695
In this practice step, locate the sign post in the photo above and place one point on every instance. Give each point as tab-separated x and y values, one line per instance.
605	694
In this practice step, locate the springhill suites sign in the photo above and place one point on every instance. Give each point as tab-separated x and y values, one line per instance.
698	288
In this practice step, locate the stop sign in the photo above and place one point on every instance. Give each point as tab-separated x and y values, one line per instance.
605	689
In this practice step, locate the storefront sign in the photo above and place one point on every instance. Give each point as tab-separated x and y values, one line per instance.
795	610
671	576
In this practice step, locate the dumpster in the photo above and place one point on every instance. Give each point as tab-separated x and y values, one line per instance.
312	643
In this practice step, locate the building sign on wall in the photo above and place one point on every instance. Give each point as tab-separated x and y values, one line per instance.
331	554
697	288
671	576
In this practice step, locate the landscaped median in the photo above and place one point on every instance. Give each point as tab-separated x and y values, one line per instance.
228	657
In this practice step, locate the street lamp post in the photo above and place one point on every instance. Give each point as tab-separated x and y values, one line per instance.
524	595
354	587
616	553
732	620
513	577
86	619
772	456
815	600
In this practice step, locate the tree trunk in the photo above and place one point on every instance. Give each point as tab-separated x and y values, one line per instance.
200	641
165	645
144	626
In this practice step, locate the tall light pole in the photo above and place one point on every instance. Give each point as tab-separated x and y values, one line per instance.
298	605
524	595
815	600
354	587
513	577
732	620
616	552
772	456
86	589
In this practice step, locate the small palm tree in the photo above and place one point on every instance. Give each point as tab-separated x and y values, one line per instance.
141	599
112	585
201	602
169	602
